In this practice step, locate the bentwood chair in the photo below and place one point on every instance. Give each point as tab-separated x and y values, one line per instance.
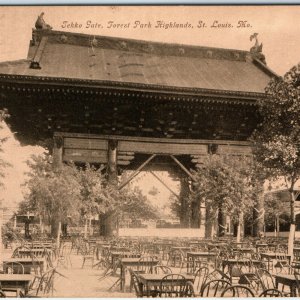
161	269
214	288
88	254
271	293
218	274
172	285
282	263
139	292
239	291
297	277
2	294
44	286
145	265
266	279
200	279
296	260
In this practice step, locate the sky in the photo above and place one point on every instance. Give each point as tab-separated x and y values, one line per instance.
225	27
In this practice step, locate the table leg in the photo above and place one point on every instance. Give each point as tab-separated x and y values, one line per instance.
276	283
293	290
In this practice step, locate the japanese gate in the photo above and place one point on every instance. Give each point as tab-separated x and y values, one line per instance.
128	103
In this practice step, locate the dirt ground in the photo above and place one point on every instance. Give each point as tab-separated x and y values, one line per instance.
83	282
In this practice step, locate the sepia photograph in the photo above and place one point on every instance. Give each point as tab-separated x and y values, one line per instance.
150	151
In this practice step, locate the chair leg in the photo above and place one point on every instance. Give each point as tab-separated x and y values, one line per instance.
117	282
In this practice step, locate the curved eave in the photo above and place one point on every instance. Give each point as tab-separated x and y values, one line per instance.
69	85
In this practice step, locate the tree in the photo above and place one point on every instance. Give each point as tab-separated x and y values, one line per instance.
225	184
59	195
97	198
275	208
54	194
276	140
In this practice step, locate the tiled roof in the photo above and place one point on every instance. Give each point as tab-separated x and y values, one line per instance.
57	54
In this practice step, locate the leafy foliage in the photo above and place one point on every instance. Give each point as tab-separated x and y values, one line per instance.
277	138
134	203
275	207
53	193
226	182
71	193
95	197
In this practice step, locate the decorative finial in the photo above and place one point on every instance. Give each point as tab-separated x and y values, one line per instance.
256	50
41	24
94	42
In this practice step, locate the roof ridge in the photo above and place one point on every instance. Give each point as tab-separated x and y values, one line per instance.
135	45
138	40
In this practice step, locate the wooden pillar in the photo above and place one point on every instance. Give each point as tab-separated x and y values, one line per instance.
195	214
112	162
184	201
259	213
112	176
57	151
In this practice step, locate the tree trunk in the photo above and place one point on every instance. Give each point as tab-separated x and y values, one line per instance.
239	227
41	226
90	227
85	228
258	214
54	227
58	235
209	223
277	225
293	224
221	222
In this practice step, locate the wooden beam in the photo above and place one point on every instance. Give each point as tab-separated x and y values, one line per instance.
126	181
164	184
149	139
183	167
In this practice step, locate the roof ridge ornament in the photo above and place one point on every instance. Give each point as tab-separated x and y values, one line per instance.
256	50
41	24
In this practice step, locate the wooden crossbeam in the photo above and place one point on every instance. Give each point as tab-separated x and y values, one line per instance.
136	172
164	184
183	167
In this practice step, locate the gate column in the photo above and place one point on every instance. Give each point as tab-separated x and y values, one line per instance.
57	151
112	162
